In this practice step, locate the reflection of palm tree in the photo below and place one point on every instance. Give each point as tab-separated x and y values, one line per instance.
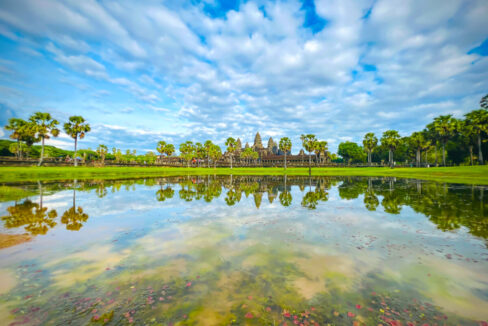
231	197
74	217
101	190
34	218
163	194
370	199
286	198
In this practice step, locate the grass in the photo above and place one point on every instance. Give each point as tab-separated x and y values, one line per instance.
461	174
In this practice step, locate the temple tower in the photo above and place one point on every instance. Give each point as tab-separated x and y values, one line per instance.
257	142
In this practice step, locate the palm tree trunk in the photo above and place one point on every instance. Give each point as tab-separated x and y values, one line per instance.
471	154
285	160
436	164
418	157
480	152
391	158
42	152
231	161
444	153
309	163
74	156
18	148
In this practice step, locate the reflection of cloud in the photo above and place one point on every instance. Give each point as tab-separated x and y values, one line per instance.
85	265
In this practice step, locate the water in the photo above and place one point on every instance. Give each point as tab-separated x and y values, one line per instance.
246	250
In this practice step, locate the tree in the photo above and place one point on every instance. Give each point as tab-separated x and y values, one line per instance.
161	147
199	152
102	151
231	147
207	146
76	128
321	147
468	133
445	126
44	126
351	151
390	140
285	146
309	142
215	154
477	122
484	102
16	148
169	149
187	150
369	143
21	131
418	142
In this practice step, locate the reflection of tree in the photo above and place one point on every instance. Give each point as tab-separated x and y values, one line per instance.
101	191
232	198
370	200
34	218
392	203
286	198
74	217
163	194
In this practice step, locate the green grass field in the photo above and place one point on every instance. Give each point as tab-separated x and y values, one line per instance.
461	174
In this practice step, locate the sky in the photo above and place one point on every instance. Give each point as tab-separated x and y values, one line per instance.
144	71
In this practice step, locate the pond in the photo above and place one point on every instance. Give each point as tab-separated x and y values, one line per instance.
214	250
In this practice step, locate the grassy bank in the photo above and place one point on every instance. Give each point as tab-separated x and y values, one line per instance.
462	174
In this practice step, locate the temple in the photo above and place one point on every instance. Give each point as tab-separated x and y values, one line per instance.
271	149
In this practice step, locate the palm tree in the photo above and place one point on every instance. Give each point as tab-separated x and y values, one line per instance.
369	142
468	133
285	146
477	121
215	154
169	149
321	147
18	127
187	150
43	126
390	140
102	150
418	142
231	147
199	152
76	127
445	126
161	147
309	142
207	146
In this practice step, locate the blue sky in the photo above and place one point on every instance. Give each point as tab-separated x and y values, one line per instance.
144	71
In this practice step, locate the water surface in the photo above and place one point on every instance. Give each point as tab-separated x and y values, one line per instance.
246	250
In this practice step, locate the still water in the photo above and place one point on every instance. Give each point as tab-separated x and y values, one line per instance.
246	250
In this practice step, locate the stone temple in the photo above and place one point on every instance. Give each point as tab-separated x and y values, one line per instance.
271	149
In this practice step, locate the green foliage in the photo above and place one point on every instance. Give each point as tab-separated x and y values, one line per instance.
187	150
351	152
285	145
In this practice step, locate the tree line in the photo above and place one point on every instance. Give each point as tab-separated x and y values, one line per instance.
444	138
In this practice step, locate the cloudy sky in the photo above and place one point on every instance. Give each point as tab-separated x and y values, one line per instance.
144	71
